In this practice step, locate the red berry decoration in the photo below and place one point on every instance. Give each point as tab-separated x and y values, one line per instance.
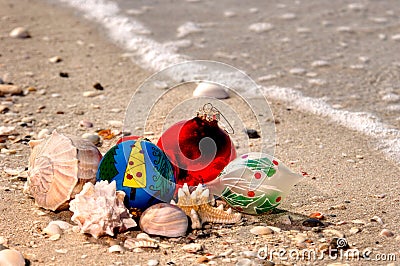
198	148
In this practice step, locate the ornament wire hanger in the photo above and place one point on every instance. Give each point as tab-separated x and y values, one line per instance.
211	113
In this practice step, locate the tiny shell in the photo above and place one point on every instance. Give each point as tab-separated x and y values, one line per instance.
261	230
386	232
62	224
165	220
59	166
6	89
52	229
132	243
316	215
20	32
210	90
116	249
11	257
193	247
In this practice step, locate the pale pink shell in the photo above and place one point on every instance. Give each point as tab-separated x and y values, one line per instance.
59	166
164	219
99	209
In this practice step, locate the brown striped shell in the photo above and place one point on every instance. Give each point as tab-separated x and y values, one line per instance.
59	166
164	219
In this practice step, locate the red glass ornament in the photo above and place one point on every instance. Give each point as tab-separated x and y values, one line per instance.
198	149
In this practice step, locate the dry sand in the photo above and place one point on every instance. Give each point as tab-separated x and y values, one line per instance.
343	170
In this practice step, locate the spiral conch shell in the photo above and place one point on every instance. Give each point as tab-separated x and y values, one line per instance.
99	208
59	166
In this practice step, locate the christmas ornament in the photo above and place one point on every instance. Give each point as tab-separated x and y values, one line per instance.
141	170
127	138
254	183
198	148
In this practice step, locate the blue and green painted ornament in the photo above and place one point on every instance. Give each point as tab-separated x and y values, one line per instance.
141	170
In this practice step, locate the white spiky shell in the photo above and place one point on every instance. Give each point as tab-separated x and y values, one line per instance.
59	166
99	209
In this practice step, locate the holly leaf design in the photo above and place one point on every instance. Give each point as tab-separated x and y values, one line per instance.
262	164
260	204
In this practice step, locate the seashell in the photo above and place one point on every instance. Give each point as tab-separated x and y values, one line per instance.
59	166
11	257
6	89
261	230
43	133
376	219
132	243
196	206
62	224
145	236
210	90
20	32
52	229
93	138
317	215
164	219
116	249
99	209
55	59
193	247
386	232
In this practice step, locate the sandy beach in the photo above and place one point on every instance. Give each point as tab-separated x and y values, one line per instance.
346	179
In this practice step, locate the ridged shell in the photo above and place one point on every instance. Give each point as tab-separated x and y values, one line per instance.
59	166
99	209
164	219
131	243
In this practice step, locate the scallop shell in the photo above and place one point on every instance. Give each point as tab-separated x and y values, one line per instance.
59	166
164	219
99	209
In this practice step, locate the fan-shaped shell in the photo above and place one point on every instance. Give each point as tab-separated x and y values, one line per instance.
164	220
59	166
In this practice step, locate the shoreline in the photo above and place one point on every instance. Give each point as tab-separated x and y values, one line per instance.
132	35
342	168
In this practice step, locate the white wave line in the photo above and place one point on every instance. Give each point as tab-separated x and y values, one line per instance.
154	56
388	138
126	32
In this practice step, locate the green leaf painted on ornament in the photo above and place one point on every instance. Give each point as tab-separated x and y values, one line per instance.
107	169
235	199
265	206
260	204
262	164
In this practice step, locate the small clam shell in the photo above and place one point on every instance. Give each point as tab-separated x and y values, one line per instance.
116	249
132	243
164	219
210	90
20	32
62	224
52	229
11	257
